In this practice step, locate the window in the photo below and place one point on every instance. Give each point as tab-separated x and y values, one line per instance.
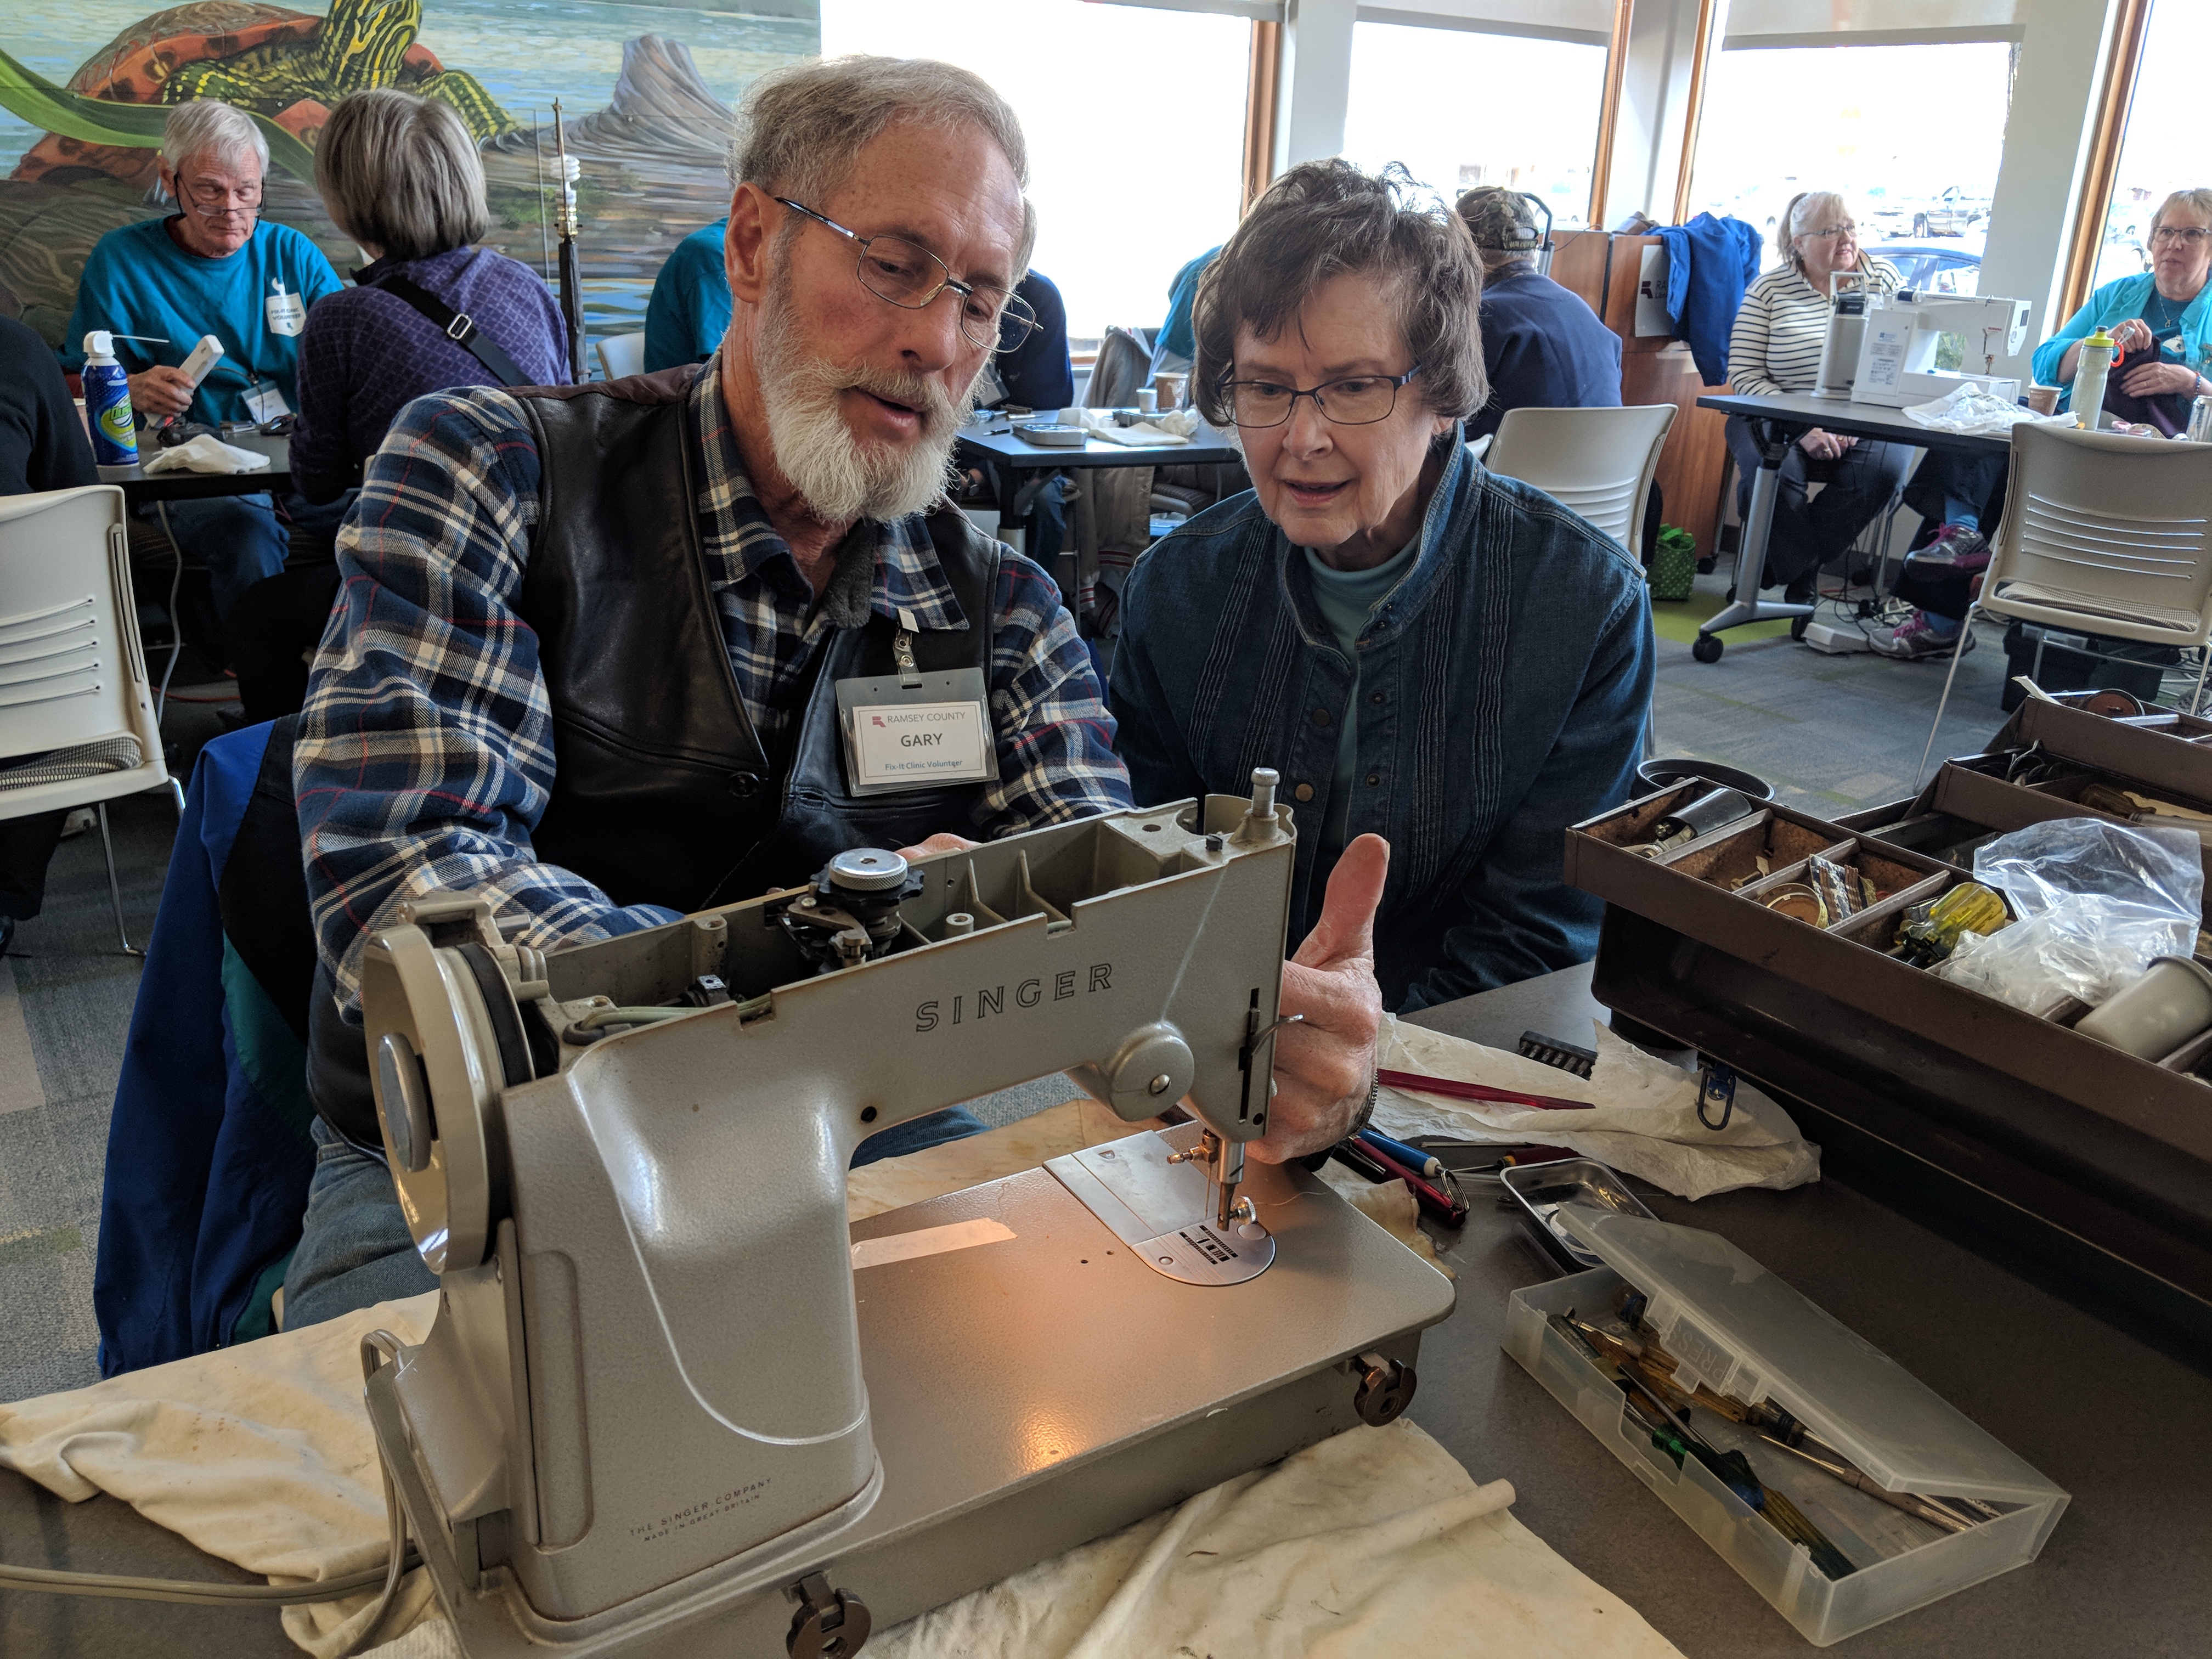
1910	134
2163	150
1462	109
1135	124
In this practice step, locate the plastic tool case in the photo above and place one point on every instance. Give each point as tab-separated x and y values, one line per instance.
1741	1332
2096	1160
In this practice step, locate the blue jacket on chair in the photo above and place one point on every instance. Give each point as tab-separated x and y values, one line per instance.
1709	262
1504	688
208	1150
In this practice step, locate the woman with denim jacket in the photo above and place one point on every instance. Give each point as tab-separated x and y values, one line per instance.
1430	654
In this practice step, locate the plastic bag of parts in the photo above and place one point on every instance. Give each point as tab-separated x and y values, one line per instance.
2096	903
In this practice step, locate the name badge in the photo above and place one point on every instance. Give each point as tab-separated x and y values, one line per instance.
287	313
899	743
265	401
917	731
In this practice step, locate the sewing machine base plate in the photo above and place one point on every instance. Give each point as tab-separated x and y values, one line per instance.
1026	1395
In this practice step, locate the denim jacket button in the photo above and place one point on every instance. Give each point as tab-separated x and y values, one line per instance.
1303	791
1321	717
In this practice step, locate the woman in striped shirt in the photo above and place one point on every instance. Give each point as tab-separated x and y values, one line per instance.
1776	347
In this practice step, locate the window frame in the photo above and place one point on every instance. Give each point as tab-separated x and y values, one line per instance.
2100	175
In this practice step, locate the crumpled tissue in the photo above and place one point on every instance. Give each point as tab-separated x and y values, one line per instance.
206	453
1643	1122
1971	408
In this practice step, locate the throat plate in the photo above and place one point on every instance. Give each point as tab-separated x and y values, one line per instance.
1162	1210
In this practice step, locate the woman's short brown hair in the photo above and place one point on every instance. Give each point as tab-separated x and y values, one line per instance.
401	173
1322	220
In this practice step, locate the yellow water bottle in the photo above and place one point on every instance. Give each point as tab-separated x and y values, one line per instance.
2090	371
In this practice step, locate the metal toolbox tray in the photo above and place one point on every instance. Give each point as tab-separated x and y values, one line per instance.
2110	1153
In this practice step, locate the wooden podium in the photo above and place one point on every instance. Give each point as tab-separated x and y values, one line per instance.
1606	271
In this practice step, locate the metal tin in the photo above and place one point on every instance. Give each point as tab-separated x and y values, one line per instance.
1543	1189
2200	420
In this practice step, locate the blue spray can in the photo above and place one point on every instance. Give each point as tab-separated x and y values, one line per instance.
107	402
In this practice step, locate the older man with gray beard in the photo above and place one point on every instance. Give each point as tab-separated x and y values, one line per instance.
587	656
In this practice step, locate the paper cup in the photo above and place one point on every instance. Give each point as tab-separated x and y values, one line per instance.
2043	399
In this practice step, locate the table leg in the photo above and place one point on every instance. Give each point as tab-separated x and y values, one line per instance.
1774	440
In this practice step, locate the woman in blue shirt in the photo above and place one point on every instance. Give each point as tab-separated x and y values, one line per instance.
2161	322
1432	655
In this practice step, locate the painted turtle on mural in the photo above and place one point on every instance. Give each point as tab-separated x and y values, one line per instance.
287	65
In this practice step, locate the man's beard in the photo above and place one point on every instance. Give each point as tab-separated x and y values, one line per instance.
841	478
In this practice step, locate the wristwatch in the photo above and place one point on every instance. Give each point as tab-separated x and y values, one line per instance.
1365	1114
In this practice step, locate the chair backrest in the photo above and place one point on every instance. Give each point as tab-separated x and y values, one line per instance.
71	669
622	356
2106	533
1124	361
1600	462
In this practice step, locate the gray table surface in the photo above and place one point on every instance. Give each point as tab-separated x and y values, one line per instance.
1207	447
2121	1426
1802	409
185	486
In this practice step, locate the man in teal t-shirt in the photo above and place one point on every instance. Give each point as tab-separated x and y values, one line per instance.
689	311
213	267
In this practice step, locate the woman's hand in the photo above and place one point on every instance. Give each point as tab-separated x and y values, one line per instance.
2133	335
1824	446
2150	379
1325	1065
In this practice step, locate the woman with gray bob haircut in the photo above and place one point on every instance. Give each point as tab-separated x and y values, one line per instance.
1447	667
399	175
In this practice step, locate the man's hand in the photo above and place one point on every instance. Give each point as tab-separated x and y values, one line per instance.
943	841
1325	1065
161	391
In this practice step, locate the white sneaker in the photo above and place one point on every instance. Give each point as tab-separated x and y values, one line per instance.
80	821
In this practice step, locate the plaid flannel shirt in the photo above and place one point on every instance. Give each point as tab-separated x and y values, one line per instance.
424	757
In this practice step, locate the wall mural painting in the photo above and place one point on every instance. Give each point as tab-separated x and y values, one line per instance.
645	92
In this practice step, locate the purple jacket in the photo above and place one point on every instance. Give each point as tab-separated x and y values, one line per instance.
367	354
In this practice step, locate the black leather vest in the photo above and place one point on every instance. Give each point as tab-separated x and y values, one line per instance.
663	792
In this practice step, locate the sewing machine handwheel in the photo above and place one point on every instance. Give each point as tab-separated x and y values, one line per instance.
832	1624
1386	1388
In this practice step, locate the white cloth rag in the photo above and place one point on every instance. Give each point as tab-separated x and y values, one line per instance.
1969	408
1375	1541
206	453
1172	427
1644	1121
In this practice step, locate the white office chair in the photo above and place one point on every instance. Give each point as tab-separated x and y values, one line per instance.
622	356
2102	534
73	684
1598	461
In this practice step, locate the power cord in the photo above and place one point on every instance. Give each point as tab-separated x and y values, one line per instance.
376	1348
176	627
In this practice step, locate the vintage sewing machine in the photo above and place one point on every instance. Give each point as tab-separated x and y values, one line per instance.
1900	334
671	1406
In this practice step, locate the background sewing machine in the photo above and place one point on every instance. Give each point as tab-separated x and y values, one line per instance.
1882	347
641	1423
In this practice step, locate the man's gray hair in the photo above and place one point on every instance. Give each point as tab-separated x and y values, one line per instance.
401	173
209	127
801	130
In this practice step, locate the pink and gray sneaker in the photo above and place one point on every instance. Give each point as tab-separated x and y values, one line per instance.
1954	546
1913	638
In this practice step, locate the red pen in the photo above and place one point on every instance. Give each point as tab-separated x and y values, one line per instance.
1453	1089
